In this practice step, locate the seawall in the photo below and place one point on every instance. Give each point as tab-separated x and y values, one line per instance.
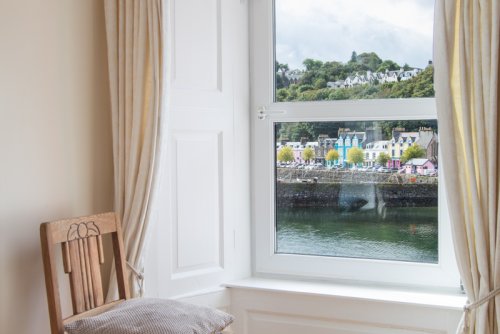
351	196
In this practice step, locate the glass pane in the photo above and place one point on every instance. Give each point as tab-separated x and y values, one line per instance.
353	49
361	189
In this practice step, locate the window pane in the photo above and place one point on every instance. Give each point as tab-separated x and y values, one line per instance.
353	49
361	189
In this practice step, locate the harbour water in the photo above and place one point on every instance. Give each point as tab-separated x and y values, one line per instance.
400	234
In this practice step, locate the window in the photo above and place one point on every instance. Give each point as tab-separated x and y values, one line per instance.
339	205
322	90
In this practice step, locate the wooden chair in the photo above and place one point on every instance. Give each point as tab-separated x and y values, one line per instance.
82	253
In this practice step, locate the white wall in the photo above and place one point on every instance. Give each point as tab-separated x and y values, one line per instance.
55	143
280	312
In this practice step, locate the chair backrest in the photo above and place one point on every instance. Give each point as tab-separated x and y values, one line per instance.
82	253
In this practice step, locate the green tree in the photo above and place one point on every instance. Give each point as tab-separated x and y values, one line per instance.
308	154
355	155
301	130
312	64
282	94
388	65
413	152
332	155
354	57
369	60
296	130
304	88
285	154
383	158
283	68
319	83
339	94
281	79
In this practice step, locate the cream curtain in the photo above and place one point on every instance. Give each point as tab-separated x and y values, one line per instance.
134	37
466	49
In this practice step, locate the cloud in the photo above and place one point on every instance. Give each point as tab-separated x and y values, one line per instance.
331	29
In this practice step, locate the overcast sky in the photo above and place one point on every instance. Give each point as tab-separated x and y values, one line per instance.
400	30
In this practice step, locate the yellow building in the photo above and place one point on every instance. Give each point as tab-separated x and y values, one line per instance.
399	142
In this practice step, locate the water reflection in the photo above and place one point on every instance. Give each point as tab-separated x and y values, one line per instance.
401	234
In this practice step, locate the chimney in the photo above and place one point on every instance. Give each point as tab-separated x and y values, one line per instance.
396	132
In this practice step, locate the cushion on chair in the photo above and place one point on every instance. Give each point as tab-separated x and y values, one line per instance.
153	316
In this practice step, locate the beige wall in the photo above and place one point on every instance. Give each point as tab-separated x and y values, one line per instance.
55	141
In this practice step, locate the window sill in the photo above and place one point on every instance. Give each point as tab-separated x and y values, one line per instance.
433	299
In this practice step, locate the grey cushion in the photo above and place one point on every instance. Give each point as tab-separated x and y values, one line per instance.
153	316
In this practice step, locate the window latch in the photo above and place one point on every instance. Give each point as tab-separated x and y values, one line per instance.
263	112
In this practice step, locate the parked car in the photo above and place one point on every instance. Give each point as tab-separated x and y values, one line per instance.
383	170
319	165
430	172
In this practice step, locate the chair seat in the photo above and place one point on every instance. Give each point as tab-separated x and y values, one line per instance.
153	316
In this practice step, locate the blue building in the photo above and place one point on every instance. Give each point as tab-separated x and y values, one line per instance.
348	139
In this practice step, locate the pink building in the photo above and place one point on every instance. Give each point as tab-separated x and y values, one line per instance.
419	166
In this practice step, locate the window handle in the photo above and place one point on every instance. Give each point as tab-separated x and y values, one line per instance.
263	112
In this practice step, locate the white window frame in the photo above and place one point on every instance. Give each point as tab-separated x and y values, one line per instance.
265	112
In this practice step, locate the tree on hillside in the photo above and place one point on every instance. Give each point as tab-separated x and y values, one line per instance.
312	64
332	155
383	158
296	131
285	154
320	83
413	152
355	155
283	68
334	70
370	60
308	154
354	57
312	86
388	65
421	85
282	94
281	79
408	125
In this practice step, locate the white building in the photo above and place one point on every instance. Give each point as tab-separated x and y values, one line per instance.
373	150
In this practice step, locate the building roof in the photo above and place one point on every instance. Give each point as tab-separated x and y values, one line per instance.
417	162
378	145
425	139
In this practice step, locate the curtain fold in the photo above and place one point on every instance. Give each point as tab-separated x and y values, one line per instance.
135	43
466	56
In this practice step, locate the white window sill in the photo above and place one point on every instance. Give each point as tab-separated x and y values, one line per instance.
447	300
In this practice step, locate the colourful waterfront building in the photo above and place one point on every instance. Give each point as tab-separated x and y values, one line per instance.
401	140
346	140
419	166
373	150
